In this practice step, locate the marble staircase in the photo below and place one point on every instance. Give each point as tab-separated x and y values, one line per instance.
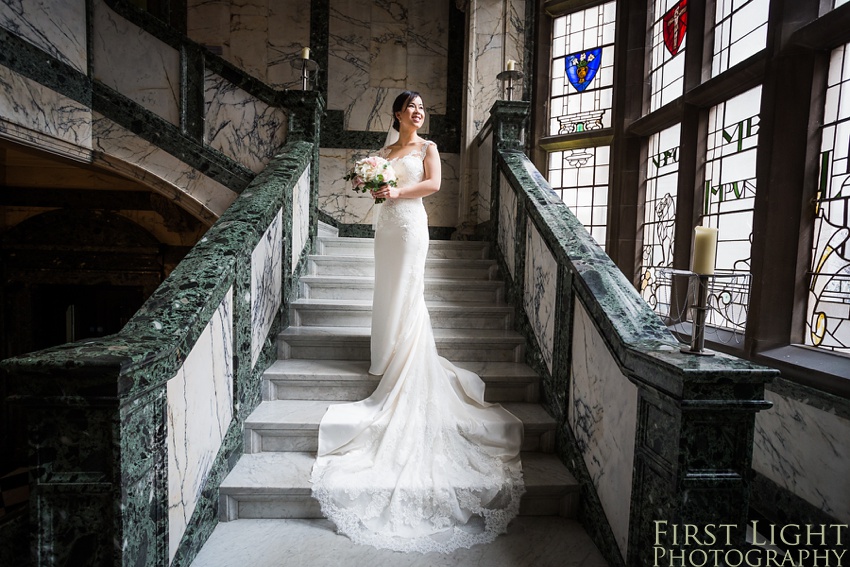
323	359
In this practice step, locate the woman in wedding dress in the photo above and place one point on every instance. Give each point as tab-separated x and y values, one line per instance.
423	464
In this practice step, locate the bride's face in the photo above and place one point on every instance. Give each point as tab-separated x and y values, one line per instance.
413	115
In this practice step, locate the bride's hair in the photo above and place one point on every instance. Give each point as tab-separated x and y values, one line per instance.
400	103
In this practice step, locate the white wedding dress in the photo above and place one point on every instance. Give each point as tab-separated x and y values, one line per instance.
423	464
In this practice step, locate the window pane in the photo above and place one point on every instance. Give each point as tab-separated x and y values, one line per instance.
740	30
582	70
728	201
583	176
659	223
828	310
667	31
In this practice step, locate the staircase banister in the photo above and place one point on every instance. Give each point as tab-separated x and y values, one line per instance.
170	321
637	338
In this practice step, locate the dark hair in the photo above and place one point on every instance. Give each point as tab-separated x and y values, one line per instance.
401	102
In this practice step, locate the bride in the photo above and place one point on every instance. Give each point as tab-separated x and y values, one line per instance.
423	464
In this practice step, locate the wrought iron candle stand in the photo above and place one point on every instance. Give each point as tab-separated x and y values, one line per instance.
510	76
699	310
307	67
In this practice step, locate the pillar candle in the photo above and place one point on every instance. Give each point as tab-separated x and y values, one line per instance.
705	249
511	64
305	53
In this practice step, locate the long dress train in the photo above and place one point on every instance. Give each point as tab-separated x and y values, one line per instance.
424	463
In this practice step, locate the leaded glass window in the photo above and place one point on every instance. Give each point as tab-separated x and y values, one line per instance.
668	30
740	30
728	202
828	312
582	70
659	226
580	177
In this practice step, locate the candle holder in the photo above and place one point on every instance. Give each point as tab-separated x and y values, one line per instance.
510	77
307	67
698	314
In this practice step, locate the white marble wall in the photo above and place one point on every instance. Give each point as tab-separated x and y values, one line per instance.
266	284
259	36
58	28
240	126
541	277
378	49
603	417
200	408
34	115
120	150
300	216
507	223
805	450
338	199
495	32
135	63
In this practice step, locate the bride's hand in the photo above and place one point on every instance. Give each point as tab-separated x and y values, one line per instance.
386	191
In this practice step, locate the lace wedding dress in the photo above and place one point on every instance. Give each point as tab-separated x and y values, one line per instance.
423	464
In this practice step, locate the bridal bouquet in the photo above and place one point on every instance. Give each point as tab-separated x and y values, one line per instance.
370	173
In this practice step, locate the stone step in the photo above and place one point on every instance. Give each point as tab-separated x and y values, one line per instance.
277	485
361	288
530	541
293	425
327	231
349	380
358	313
352	343
347	246
456	269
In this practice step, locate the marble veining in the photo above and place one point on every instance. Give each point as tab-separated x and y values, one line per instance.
603	416
541	273
200	408
266	284
805	450
122	151
58	28
240	126
338	200
300	216
507	224
378	49
480	202
135	63
37	116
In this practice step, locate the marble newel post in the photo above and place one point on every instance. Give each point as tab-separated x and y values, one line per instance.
510	122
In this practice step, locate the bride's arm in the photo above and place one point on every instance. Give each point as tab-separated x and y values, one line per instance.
430	182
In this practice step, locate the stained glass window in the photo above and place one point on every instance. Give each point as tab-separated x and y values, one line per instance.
740	30
580	177
582	70
662	167
728	201
828	313
668	31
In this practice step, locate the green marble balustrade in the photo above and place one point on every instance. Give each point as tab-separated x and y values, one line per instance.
695	415
97	411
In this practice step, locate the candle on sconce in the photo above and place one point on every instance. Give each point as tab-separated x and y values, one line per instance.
305	53
705	250
511	65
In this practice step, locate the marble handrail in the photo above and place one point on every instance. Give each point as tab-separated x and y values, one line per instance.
134	432
651	433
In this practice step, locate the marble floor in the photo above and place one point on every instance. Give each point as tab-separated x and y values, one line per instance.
531	541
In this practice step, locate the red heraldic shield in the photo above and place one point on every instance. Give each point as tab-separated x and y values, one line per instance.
675	25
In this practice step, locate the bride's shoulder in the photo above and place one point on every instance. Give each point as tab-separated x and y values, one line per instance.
426	146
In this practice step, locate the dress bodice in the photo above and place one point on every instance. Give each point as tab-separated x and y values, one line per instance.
409	168
406	214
